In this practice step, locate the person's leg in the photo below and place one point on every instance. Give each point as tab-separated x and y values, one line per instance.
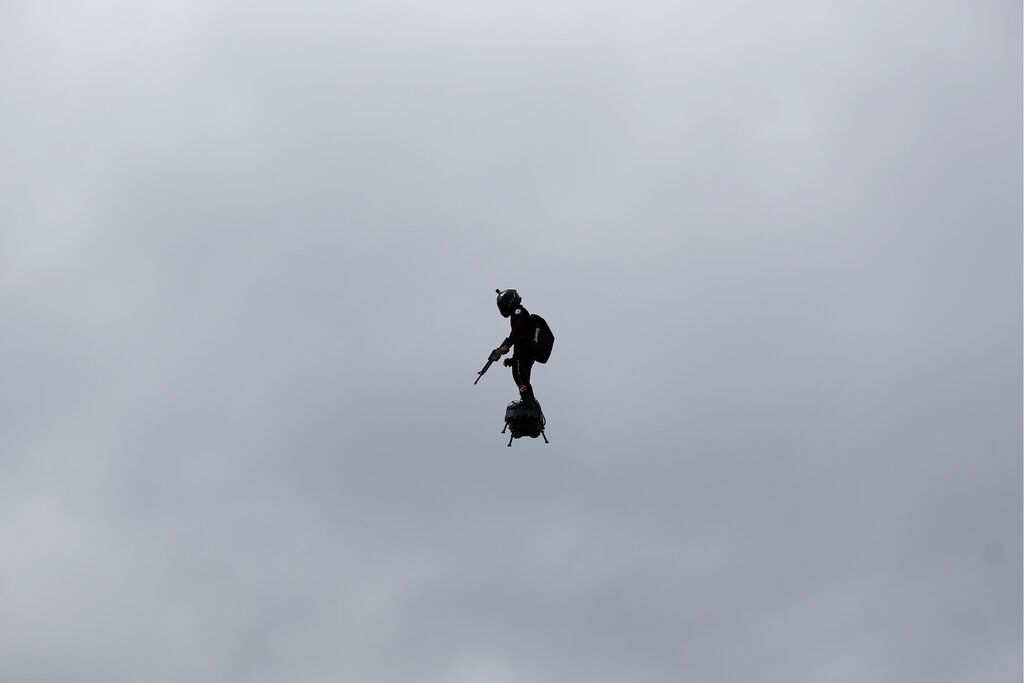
521	369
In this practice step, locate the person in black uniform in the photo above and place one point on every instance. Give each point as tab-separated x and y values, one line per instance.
510	305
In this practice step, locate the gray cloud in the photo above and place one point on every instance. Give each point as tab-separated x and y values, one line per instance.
244	286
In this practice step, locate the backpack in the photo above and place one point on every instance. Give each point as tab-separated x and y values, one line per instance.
541	339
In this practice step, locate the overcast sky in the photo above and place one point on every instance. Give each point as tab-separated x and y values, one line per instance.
248	254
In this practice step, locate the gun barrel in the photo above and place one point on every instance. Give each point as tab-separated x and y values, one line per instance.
481	373
490	359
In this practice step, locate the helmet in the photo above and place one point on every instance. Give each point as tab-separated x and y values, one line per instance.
508	301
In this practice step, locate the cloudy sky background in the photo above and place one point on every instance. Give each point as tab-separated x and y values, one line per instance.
247	261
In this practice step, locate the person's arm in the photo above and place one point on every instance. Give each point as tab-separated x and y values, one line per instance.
511	339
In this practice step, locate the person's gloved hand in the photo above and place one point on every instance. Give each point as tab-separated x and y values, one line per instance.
507	362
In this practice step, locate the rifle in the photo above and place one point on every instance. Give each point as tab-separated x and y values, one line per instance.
495	355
